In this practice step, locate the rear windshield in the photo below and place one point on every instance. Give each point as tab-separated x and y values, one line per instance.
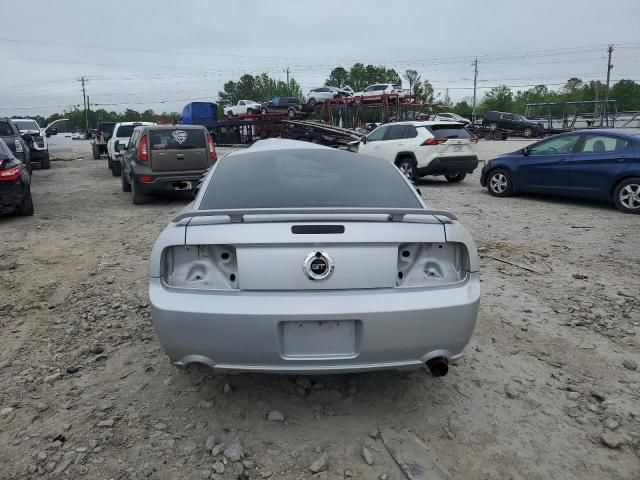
449	131
306	178
106	127
27	124
176	139
5	129
125	131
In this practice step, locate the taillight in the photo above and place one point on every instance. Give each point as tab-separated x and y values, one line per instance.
145	178
10	174
212	148
434	141
19	146
474	139
143	150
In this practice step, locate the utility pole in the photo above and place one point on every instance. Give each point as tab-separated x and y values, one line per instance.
475	82
606	92
84	101
287	70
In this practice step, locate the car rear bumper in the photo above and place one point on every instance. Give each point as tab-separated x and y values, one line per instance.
450	165
11	195
386	329
169	182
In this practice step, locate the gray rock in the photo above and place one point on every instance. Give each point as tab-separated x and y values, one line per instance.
275	416
186	447
248	463
234	452
367	456
348	473
6	411
266	473
41	407
42	456
160	426
210	442
303	382
217	450
319	465
611	423
51	379
96	348
218	467
227	389
612	440
511	392
573	395
106	423
383	476
630	364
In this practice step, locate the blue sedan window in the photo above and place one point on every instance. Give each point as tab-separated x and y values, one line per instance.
604	144
555	145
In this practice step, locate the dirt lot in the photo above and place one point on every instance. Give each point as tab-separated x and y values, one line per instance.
549	387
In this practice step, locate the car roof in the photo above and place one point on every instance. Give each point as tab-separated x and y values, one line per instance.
279	144
424	123
171	127
633	134
126	124
24	119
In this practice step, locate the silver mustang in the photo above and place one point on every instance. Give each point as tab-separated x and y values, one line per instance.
297	258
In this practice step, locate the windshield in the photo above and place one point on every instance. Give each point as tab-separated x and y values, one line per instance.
26	124
305	178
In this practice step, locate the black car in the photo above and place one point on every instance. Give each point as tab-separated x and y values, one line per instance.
513	122
15	184
291	105
17	143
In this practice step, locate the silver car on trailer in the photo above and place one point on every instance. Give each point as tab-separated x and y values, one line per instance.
298	258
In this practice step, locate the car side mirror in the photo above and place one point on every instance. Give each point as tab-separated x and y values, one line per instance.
526	151
363	139
51	131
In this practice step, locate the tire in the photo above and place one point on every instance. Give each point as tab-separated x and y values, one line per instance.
626	195
116	169
500	183
528	132
109	163
126	186
407	166
291	112
137	197
455	178
312	102
264	110
45	163
26	209
96	152
493	126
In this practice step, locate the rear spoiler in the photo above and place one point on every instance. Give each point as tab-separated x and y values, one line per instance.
236	215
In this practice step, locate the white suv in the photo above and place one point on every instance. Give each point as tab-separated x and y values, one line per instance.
121	133
376	91
322	94
424	148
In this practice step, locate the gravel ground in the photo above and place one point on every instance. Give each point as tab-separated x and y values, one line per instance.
549	386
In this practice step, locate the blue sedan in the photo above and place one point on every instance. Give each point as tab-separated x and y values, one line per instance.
601	164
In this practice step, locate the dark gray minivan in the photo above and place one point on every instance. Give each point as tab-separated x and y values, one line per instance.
167	158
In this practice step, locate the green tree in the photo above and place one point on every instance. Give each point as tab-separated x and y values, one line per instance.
498	98
626	93
413	77
424	91
338	77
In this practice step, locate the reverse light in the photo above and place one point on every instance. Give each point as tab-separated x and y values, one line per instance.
10	174
143	149
205	267
434	141
19	148
212	148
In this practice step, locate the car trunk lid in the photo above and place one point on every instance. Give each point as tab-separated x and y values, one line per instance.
179	149
296	255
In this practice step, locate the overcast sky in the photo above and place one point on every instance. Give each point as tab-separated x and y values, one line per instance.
140	53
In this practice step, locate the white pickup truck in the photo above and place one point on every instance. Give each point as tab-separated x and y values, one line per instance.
242	108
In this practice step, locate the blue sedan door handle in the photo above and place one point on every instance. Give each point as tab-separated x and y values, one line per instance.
562	162
622	159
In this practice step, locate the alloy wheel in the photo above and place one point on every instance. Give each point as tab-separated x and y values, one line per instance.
498	183
407	170
630	196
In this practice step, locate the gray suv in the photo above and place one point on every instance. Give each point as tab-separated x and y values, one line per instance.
162	159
